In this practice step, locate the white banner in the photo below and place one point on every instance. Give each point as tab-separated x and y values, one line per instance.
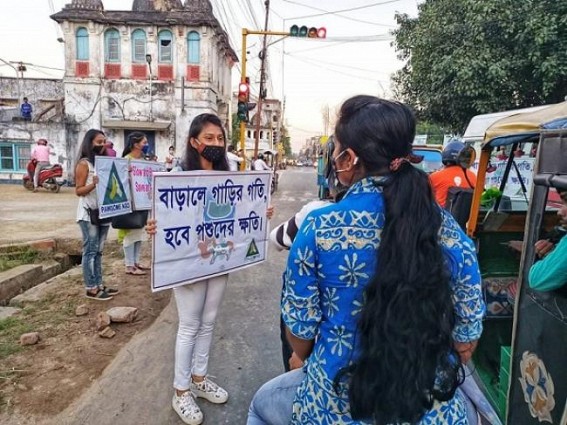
208	223
112	190
141	182
513	187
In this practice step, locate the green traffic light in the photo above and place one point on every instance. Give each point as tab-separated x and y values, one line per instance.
242	112
304	31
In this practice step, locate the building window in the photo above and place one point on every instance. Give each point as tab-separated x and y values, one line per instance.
82	37
165	40
139	46
14	156
112	46
193	47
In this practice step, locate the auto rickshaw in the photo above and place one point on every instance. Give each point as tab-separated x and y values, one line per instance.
520	362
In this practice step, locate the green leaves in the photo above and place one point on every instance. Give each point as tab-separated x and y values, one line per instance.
471	57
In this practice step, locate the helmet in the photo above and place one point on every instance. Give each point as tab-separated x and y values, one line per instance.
450	155
261	156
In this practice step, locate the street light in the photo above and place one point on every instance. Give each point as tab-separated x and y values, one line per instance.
149	61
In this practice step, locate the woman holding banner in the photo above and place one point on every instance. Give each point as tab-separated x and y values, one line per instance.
136	148
94	231
198	303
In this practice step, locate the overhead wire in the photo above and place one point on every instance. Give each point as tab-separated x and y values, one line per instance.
338	12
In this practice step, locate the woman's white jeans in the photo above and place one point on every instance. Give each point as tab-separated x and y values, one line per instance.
197	307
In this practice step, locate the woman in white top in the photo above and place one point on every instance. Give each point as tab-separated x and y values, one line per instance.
94	235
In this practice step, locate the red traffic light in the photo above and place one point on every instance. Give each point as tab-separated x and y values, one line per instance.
243	92
303	31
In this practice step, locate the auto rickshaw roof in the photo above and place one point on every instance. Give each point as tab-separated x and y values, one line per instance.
476	129
523	126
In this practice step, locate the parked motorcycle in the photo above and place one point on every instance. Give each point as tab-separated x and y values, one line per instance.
47	177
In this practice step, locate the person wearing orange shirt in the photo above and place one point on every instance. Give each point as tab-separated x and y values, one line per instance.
452	174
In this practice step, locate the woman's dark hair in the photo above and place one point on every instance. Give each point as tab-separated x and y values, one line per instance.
133	138
191	160
406	358
86	150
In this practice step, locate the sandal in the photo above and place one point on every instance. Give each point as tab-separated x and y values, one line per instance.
100	295
110	291
135	271
140	267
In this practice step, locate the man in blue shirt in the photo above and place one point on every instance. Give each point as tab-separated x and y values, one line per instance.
26	110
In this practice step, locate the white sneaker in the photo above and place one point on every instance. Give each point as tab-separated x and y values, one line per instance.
187	408
208	390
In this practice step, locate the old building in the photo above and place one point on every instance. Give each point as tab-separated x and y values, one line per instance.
18	136
270	126
152	68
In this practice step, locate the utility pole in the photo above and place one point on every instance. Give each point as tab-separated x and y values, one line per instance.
262	81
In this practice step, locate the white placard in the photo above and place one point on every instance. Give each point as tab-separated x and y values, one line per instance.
513	186
208	223
112	190
141	182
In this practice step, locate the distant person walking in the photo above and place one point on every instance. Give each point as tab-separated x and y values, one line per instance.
170	159
260	164
26	110
234	160
41	155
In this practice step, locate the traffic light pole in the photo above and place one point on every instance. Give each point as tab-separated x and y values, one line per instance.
242	122
246	32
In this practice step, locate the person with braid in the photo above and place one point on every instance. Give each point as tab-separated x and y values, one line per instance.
382	293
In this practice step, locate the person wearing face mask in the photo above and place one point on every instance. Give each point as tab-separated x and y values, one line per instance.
93	231
137	148
198	303
382	293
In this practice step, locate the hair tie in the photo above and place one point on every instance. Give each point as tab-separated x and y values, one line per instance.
410	159
397	163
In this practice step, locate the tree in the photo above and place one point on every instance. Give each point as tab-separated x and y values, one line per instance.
286	142
235	134
434	133
468	57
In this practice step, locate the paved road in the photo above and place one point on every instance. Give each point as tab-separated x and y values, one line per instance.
32	216
137	387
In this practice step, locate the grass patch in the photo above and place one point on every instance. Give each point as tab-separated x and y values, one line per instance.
43	317
15	258
11	329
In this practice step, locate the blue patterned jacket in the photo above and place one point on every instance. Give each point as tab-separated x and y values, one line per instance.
330	263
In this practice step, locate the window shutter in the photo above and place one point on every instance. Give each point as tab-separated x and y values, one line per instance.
165	72
193	72
81	69
112	71
139	71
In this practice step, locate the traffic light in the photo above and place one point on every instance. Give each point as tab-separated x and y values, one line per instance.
243	96
303	31
274	137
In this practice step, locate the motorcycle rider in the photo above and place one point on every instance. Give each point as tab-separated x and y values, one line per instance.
41	155
452	174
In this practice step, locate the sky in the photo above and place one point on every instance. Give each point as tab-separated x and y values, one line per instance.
357	56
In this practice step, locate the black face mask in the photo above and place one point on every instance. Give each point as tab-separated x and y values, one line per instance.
99	149
213	153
